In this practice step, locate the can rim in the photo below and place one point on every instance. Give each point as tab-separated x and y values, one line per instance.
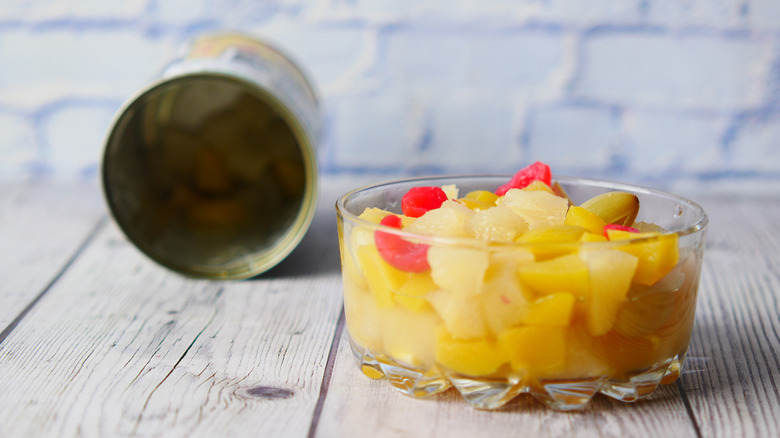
292	235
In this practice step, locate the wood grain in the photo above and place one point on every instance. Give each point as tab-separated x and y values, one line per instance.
118	346
122	347
733	375
356	403
42	226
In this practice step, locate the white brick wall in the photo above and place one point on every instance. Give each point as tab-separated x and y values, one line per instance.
681	94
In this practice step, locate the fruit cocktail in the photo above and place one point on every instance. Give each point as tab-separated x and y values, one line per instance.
497	286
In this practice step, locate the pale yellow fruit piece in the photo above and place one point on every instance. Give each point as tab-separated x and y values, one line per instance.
554	310
541	351
360	236
475	204
479	200
537	185
449	220
458	270
504	300
582	356
461	315
418	284
552	241
590	237
657	254
584	218
472	357
415	304
450	190
382	278
567	273
362	316
610	272
497	224
538	208
349	268
485	196
373	214
559	191
408	336
614	207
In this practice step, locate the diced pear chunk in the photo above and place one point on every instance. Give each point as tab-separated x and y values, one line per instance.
462	318
458	270
538	208
497	224
449	220
610	272
504	300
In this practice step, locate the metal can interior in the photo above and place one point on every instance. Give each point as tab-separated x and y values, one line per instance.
210	175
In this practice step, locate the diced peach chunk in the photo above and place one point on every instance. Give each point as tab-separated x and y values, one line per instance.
472	357
584	218
418	284
552	241
567	273
657	253
541	351
483	196
554	310
382	278
458	270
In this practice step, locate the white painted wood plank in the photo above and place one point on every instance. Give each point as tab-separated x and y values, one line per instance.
122	347
733	379
42	225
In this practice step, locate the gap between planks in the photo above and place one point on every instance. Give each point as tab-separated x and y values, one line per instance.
327	374
99	225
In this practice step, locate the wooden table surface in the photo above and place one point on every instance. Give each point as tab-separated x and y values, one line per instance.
98	341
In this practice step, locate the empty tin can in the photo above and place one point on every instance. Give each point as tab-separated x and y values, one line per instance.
211	170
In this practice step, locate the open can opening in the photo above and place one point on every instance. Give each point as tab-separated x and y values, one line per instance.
211	170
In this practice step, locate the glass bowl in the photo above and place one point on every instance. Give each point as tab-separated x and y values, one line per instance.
559	318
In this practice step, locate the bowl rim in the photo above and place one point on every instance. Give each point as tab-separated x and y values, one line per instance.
699	225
